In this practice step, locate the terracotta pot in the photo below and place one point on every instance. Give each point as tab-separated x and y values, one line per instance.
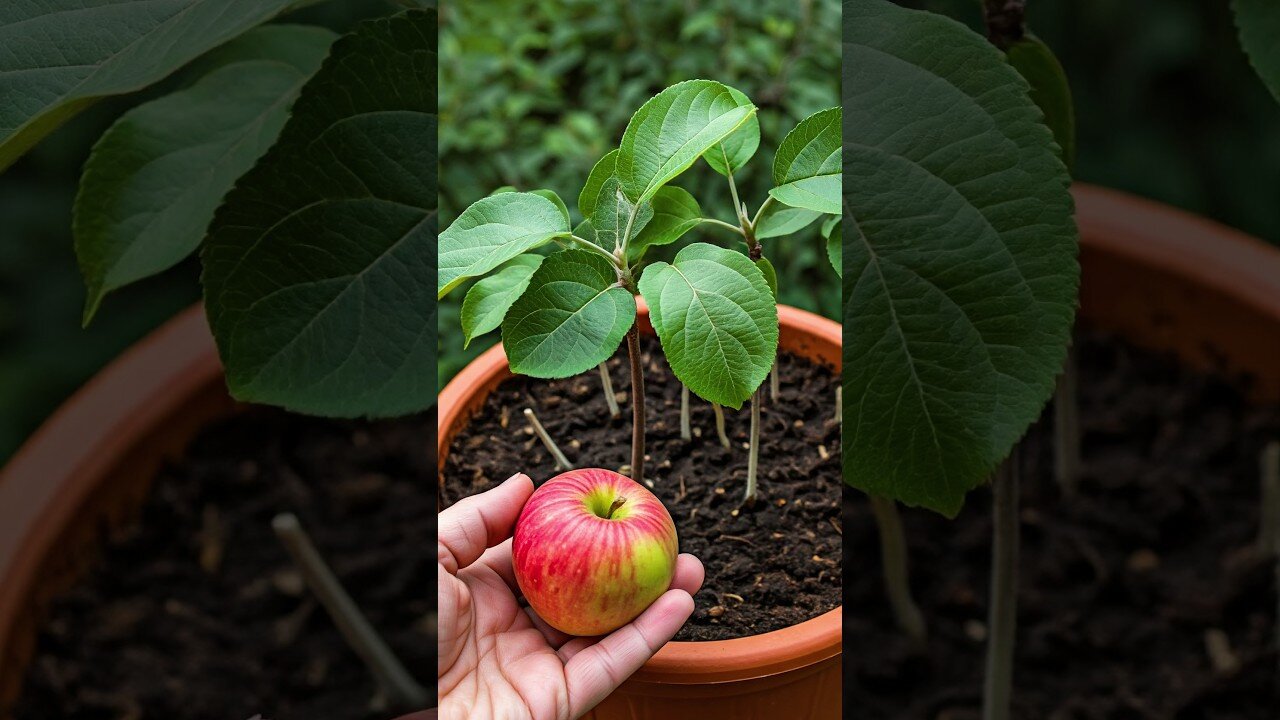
1163	278
791	673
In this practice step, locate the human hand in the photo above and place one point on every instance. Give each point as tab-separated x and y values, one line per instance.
498	659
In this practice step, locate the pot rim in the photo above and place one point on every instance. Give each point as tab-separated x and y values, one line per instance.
789	648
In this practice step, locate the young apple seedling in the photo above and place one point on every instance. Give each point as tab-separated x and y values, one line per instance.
714	310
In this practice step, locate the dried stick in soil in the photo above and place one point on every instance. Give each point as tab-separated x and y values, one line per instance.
562	463
1066	427
393	679
686	433
719	412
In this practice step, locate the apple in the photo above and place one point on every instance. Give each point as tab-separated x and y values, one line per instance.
593	549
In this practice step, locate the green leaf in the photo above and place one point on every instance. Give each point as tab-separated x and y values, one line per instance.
831	231
317	266
778	220
59	56
572	318
553	197
770	275
154	179
715	314
736	150
960	277
1259	24
600	174
489	299
494	230
806	169
611	215
672	130
1050	90
505	189
675	212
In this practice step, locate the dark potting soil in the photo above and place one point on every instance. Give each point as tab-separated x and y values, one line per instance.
769	566
197	612
1121	588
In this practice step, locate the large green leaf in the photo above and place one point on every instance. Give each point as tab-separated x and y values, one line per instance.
831	230
715	314
675	213
489	299
960	273
613	214
736	150
1050	90
59	56
601	172
778	220
806	169
317	267
494	230
572	318
672	130
156	176
1259	23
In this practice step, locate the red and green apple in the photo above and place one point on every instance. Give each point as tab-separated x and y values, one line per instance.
592	550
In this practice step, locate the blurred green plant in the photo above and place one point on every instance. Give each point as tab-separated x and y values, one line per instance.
533	93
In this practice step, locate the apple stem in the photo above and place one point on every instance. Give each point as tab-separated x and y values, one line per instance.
609	396
686	433
774	389
392	677
719	411
753	455
1269	527
1066	428
839	404
614	507
897	577
637	404
562	462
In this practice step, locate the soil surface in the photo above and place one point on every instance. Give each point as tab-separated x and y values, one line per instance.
197	612
1122	589
768	567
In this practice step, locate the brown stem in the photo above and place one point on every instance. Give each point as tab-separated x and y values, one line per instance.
637	404
614	507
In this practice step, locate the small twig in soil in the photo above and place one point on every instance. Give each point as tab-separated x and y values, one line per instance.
739	598
753	454
390	674
1066	427
685	432
1218	647
839	404
683	492
719	412
562	463
1002	614
609	396
1269	520
836	525
774	389
897	576
739	539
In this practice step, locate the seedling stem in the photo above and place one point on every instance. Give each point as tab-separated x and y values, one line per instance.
753	455
719	413
637	404
562	463
773	381
1002	619
897	577
1066	427
686	433
395	681
609	396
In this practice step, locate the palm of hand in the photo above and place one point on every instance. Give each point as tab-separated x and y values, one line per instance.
497	659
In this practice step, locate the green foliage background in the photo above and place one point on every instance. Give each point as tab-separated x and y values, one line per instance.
1168	108
533	93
